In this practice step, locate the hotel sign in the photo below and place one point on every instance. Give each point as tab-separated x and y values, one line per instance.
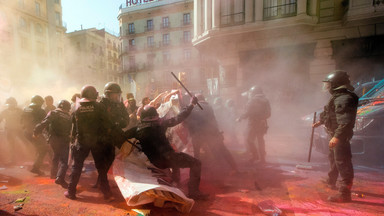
131	3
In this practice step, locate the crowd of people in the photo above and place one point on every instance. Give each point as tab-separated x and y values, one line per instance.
100	125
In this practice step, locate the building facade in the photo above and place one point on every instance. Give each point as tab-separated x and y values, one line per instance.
92	57
288	46
156	40
31	39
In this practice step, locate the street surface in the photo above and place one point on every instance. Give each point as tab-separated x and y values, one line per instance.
295	191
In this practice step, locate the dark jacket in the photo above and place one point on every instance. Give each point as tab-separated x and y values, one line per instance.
339	114
116	112
153	141
58	122
257	109
202	121
32	115
90	123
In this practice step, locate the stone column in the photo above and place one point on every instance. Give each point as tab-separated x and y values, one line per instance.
208	15
301	7
249	10
197	18
259	10
215	14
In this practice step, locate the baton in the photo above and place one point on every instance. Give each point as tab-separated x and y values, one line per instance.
185	89
313	131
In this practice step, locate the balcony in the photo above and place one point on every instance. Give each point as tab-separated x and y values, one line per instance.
165	43
129	32
150	46
165	25
148	28
275	11
186	23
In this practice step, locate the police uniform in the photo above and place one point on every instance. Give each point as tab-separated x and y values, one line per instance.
32	115
58	124
339	119
90	124
257	112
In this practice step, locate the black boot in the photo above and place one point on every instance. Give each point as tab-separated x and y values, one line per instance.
340	198
62	182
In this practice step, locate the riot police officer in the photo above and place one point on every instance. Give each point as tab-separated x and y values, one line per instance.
257	111
12	116
32	115
339	119
118	115
155	145
59	125
90	123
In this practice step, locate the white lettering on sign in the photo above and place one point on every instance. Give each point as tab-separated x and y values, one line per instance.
131	3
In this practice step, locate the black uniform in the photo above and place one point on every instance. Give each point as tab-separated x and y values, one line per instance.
32	115
257	112
90	124
12	116
159	151
204	130
339	118
59	125
118	116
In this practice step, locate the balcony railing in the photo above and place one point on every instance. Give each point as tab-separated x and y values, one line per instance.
186	22
185	41
129	32
149	28
233	19
150	45
165	43
165	25
275	11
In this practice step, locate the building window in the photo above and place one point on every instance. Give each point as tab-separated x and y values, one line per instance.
187	54
187	36
150	41
166	39
165	23
274	9
186	19
132	44
131	28
57	1
39	29
58	18
37	8
23	25
149	26
232	12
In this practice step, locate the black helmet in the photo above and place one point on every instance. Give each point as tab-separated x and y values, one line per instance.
255	90
112	87
337	78
149	113
88	93
64	105
37	100
200	97
11	102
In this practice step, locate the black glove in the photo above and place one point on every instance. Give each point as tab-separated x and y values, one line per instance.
193	100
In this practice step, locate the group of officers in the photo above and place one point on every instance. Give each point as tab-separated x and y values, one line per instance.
97	127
